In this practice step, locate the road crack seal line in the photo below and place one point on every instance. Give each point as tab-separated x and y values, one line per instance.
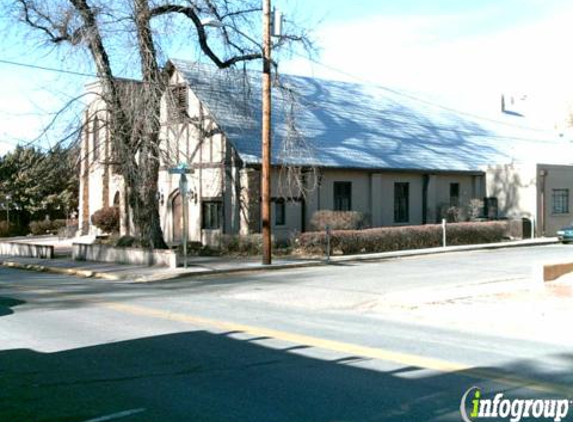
118	415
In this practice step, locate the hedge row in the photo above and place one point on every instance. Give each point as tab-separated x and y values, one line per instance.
338	220
8	230
385	239
46	226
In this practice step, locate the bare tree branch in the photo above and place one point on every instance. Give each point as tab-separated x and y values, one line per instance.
131	111
192	14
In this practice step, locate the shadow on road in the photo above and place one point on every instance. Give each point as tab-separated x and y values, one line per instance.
6	305
199	376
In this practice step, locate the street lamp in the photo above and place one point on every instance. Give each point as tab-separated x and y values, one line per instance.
8	198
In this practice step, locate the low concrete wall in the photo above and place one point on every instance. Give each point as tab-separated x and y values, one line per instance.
554	271
94	252
29	250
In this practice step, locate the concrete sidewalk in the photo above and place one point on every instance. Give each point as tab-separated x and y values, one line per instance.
203	265
519	309
197	265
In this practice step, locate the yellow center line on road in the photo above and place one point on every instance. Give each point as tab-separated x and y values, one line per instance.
405	359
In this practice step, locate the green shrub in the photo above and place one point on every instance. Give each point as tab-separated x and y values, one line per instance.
40	227
385	239
452	214
106	219
68	231
8	230
338	220
198	249
125	242
58	224
251	244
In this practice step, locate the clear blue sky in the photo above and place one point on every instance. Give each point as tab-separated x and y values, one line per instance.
410	43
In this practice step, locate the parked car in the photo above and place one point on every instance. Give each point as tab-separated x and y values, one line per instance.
565	234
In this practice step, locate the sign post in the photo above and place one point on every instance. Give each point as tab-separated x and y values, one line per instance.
182	170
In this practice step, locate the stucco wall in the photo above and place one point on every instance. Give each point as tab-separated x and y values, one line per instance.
95	175
29	250
514	186
134	256
469	190
196	142
552	177
383	198
373	194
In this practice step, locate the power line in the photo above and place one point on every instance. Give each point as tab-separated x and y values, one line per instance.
412	97
49	69
339	71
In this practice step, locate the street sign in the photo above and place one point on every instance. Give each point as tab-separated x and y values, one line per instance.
182	168
178	170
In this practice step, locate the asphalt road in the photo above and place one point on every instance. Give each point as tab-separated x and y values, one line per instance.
296	345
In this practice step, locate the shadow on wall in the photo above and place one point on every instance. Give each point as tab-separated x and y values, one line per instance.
200	376
506	184
6	305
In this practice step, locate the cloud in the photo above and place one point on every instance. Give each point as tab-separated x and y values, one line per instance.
452	53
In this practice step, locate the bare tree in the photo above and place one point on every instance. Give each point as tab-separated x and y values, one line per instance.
121	32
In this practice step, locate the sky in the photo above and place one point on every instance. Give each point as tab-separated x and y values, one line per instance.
467	51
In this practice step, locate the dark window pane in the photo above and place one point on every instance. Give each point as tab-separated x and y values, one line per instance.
454	194
212	217
401	202
342	196
177	102
96	138
280	212
560	201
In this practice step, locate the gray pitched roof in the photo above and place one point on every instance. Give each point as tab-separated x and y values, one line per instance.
349	125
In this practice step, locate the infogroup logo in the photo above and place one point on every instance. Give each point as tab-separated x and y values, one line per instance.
475	407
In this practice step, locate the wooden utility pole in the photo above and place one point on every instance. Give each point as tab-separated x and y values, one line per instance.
266	135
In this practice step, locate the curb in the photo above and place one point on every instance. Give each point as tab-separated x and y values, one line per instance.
260	268
357	258
58	270
106	276
441	250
